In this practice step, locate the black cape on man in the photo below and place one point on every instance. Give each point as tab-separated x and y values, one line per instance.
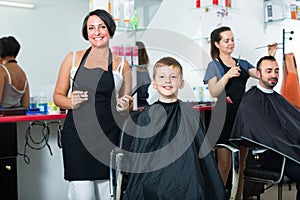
171	167
269	120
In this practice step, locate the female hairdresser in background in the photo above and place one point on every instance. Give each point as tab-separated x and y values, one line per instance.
230	74
143	76
14	89
86	175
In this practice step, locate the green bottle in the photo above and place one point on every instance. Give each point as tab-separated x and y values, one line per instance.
135	21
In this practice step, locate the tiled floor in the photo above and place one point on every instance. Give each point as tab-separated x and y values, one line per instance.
272	193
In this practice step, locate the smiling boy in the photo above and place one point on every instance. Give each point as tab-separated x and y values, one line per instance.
168	141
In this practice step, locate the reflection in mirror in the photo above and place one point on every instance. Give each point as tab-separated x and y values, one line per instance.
146	9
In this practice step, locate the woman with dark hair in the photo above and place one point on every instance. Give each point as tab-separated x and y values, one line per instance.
14	88
143	76
229	74
105	92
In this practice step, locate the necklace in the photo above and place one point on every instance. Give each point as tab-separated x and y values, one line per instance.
11	61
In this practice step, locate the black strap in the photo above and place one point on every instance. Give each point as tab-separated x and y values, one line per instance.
110	61
87	53
11	61
85	56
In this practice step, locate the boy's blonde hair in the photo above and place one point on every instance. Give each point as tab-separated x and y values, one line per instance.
167	61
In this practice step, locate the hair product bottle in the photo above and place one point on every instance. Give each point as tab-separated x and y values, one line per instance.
215	2
268	11
293	11
198	4
116	11
128	12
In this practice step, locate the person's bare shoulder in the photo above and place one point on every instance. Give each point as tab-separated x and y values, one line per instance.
3	74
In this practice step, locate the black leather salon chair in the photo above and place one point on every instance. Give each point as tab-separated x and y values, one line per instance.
254	172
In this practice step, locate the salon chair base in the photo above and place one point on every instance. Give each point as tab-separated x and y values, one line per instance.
258	180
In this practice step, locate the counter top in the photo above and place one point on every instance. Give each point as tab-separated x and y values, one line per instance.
22	118
203	107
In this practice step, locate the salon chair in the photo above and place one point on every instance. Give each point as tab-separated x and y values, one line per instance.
261	177
118	178
235	160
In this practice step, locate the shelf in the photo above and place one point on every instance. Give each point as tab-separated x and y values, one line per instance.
275	20
279	10
213	6
281	20
279	2
207	39
138	66
128	29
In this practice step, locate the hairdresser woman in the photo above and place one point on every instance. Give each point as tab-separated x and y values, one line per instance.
87	176
230	74
14	89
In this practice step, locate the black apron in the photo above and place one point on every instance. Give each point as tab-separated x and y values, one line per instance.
235	89
79	164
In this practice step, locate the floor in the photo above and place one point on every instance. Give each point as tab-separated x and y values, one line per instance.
272	193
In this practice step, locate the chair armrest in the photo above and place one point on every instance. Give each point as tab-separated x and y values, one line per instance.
228	147
281	170
235	163
258	151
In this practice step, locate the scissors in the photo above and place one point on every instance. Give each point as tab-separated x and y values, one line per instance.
238	61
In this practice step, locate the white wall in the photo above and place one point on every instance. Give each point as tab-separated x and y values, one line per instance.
247	22
48	32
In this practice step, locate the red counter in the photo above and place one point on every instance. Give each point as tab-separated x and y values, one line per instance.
22	118
9	150
203	107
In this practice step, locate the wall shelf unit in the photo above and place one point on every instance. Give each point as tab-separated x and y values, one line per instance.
279	12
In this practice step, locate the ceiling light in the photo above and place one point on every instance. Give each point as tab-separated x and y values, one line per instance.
16	4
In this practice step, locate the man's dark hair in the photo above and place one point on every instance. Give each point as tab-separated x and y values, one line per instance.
270	58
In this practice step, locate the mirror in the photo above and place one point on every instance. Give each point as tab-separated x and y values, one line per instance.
146	9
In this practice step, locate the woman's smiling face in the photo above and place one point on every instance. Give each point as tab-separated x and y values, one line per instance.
98	33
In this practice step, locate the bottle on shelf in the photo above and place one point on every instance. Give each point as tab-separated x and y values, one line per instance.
206	94
198	92
135	21
116	11
198	4
109	6
33	102
293	11
128	12
215	2
43	104
228	3
268	11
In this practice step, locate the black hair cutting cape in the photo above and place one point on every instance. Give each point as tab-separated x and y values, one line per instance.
268	120
176	172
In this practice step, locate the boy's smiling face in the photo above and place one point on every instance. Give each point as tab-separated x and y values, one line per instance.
167	81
